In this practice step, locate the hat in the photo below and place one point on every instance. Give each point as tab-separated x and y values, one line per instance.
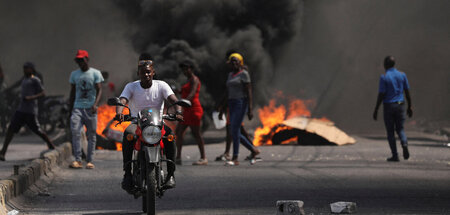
28	65
82	54
186	63
237	56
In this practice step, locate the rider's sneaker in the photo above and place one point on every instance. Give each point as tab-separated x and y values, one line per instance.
127	183
201	162
170	183
76	165
2	157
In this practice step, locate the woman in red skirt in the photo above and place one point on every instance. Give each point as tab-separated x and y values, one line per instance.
192	115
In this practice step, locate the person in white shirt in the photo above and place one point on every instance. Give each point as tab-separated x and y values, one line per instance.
146	93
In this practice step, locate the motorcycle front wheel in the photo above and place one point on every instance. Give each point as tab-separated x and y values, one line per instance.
150	197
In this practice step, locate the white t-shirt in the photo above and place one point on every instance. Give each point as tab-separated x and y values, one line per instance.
140	98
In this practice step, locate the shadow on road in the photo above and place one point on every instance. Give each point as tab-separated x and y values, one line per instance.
118	213
423	139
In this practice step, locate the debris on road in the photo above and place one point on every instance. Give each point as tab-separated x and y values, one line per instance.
343	207
324	129
290	207
13	212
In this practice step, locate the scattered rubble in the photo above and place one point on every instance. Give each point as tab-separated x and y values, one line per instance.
343	207
290	207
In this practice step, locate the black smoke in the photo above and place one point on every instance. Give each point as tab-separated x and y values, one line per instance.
203	31
328	51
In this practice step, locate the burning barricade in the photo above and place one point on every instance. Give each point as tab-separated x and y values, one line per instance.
281	126
109	135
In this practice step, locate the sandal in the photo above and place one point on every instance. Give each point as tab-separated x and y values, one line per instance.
90	165
201	162
76	165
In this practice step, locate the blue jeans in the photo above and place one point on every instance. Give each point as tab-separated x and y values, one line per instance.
238	108
394	118
80	117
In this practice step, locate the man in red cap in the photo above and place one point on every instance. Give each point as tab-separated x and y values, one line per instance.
85	95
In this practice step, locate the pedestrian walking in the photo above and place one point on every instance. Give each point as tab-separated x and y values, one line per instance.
245	137
192	115
392	85
239	100
26	114
85	93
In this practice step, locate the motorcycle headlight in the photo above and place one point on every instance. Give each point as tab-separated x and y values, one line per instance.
151	134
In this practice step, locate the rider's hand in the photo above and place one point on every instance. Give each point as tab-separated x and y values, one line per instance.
119	117
179	116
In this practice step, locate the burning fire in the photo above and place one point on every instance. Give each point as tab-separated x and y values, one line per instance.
105	114
272	116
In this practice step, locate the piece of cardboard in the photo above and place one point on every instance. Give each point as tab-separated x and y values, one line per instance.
325	129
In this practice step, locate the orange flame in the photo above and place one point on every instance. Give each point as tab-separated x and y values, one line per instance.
105	114
272	116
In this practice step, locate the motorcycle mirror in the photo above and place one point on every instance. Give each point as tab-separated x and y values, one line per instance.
114	102
184	103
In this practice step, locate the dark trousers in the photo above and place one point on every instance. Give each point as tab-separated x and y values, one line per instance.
394	118
170	150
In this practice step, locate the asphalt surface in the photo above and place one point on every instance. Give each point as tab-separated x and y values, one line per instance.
317	175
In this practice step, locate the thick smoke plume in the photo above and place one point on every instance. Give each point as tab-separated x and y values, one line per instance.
203	31
327	51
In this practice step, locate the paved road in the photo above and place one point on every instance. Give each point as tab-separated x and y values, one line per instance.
317	175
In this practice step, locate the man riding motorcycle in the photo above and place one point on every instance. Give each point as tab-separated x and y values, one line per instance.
146	93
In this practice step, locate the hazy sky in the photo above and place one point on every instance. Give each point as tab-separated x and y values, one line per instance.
330	51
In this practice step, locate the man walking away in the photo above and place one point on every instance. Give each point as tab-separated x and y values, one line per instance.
31	90
391	88
85	93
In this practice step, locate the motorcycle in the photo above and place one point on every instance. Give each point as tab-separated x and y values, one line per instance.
148	155
53	113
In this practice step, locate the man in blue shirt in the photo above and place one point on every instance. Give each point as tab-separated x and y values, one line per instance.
391	88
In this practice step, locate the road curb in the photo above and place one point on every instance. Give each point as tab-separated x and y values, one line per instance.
15	185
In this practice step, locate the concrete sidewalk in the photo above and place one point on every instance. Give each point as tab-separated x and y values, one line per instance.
29	155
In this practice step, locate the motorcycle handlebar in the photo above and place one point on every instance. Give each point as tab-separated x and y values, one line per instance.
171	117
125	118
